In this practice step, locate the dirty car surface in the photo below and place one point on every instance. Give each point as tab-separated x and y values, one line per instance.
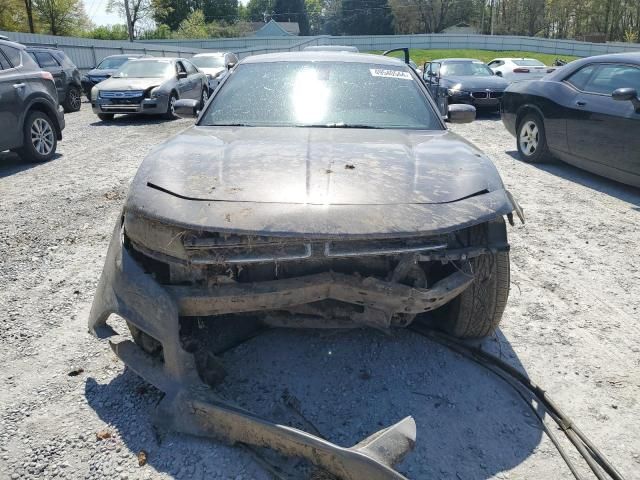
315	190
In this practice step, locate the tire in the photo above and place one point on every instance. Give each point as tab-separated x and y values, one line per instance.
147	343
477	311
105	117
73	100
39	138
531	139
204	97
170	113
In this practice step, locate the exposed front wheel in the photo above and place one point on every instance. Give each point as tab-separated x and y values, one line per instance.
73	100
532	139
39	138
170	114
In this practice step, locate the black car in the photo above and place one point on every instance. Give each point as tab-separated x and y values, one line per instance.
586	113
467	81
65	74
106	68
31	119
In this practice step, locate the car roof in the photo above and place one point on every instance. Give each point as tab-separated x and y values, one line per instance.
458	60
211	54
42	49
331	48
9	43
569	68
126	55
345	57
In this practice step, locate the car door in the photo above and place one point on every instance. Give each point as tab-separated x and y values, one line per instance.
12	86
604	130
184	83
195	80
50	64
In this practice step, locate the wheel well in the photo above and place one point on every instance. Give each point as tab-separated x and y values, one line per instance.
41	107
525	110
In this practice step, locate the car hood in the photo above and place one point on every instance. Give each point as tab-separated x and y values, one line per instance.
130	83
318	166
97	72
473	82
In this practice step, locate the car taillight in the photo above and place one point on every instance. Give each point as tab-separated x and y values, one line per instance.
46	75
520	70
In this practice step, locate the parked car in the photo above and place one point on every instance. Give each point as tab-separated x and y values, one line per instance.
467	81
106	68
65	74
316	189
149	86
215	65
516	69
586	113
331	48
31	119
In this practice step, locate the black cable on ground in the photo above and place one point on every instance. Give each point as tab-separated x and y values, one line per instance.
594	458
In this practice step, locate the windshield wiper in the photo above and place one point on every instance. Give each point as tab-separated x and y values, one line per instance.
338	125
228	125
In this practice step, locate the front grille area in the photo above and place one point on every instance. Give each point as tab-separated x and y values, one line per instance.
485	95
122	94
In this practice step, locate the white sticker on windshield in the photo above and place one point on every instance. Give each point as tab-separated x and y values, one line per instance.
382	72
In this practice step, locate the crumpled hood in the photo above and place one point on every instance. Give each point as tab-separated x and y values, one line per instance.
130	83
475	82
317	166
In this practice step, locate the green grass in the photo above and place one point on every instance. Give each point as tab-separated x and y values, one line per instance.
422	56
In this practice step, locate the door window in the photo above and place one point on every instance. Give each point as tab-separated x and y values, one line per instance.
3	63
580	78
190	68
45	60
610	77
180	67
13	54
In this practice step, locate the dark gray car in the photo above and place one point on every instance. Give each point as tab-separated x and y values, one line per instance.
65	74
149	86
31	119
315	190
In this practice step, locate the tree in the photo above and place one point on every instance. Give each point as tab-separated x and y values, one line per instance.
133	12
173	12
366	17
292	11
108	32
194	26
258	9
61	17
28	5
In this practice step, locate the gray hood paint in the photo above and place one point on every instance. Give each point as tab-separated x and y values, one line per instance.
300	181
130	83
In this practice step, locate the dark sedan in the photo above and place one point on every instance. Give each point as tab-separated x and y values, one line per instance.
586	113
104	70
466	80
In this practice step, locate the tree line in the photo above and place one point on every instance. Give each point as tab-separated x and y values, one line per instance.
601	20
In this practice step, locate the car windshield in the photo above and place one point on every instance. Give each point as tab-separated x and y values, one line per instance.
146	69
322	94
528	62
465	69
208	62
112	63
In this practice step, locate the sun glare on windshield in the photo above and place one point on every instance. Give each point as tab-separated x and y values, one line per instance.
310	97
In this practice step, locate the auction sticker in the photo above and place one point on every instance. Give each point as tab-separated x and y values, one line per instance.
383	72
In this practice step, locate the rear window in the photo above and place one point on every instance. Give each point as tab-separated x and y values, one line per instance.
45	60
528	62
13	54
322	94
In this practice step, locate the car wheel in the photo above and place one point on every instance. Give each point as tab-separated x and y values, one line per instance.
170	114
105	117
531	139
477	311
39	138
204	98
73	100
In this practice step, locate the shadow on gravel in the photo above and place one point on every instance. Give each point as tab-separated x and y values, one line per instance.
128	120
348	384
11	163
601	184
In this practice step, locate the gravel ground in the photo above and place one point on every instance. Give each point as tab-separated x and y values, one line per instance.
69	409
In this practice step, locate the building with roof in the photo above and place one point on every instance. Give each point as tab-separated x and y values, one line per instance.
275	29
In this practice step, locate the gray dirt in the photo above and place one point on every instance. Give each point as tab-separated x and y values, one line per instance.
571	323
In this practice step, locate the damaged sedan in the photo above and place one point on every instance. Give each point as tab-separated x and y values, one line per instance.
315	190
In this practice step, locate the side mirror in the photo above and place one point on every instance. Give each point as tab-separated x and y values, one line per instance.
461	113
230	65
186	108
627	95
182	74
